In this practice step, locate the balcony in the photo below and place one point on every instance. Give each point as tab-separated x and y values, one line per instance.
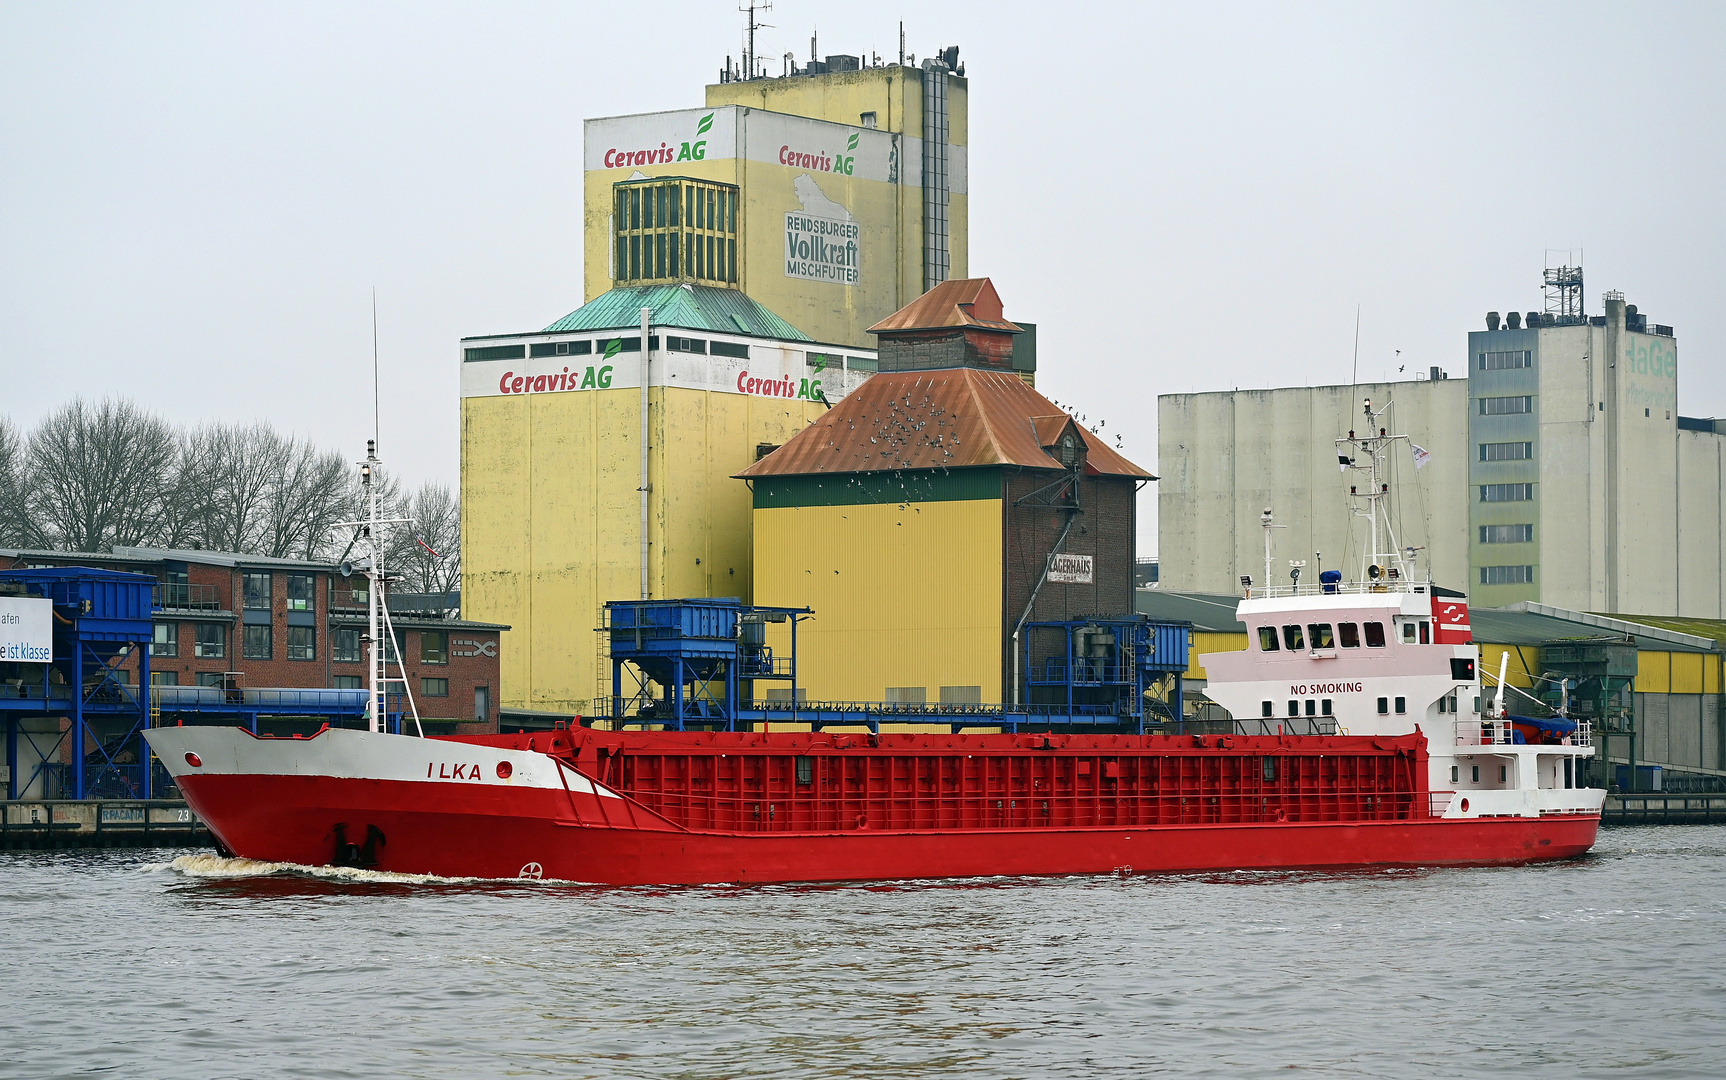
178	596
343	598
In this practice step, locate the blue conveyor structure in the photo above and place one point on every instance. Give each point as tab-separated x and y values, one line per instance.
73	725
681	664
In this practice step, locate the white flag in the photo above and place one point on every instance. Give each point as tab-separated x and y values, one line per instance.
1421	457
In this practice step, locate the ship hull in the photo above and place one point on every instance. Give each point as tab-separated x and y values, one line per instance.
557	825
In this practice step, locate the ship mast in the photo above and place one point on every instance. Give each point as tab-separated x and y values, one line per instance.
1382	562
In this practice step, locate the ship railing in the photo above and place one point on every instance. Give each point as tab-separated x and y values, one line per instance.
1501	733
1438	802
1349	588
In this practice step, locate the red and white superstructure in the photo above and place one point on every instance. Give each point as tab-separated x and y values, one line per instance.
1374	745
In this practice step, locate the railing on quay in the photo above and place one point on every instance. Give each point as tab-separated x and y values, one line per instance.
180	596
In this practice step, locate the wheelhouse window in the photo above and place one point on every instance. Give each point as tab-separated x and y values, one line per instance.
1348	634
1320	634
1293	639
1408	633
1268	639
1375	635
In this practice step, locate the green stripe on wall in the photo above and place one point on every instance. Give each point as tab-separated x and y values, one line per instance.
856	489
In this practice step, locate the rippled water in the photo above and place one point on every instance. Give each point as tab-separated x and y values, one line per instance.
163	964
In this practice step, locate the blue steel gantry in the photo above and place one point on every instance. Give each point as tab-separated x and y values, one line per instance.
74	725
680	664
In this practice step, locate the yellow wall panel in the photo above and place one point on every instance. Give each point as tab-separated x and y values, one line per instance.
1686	672
1653	672
1518	673
904	595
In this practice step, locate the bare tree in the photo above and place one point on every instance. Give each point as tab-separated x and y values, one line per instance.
17	528
308	493
427	553
237	465
96	475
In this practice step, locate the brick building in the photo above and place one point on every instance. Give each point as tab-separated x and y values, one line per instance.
222	618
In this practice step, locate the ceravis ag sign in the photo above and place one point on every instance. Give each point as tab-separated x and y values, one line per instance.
26	630
660	142
770	370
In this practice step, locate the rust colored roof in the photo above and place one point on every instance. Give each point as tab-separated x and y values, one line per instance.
949	418
964	302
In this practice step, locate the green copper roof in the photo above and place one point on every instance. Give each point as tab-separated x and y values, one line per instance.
687	307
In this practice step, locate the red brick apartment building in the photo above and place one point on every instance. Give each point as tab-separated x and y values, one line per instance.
290	623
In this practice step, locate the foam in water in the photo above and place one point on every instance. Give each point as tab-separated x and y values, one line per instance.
216	867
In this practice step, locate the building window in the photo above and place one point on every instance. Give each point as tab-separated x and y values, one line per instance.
434	647
729	348
1507	534
257	644
495	352
1506	492
1507	575
301	594
257	591
961	695
347	682
165	639
212	641
1506	406
164	678
212	678
1349	634
1498	361
907	695
1375	635
1506	451
345	645
434	688
675	230
302	643
563	348
1268	639
685	344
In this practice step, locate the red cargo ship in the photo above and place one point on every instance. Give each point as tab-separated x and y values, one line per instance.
1399	761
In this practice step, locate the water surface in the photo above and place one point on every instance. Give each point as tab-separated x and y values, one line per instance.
164	964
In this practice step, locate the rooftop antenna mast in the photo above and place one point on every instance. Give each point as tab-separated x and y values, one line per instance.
1563	287
752	6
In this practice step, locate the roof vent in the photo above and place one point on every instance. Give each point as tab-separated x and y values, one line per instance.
1513	321
1492	320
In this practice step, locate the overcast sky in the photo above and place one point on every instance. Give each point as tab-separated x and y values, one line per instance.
197	200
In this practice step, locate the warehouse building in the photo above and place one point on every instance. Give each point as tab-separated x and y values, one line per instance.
1555	468
936	512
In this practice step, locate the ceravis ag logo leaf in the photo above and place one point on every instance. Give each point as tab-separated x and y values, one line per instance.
706	123
612	347
851	143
